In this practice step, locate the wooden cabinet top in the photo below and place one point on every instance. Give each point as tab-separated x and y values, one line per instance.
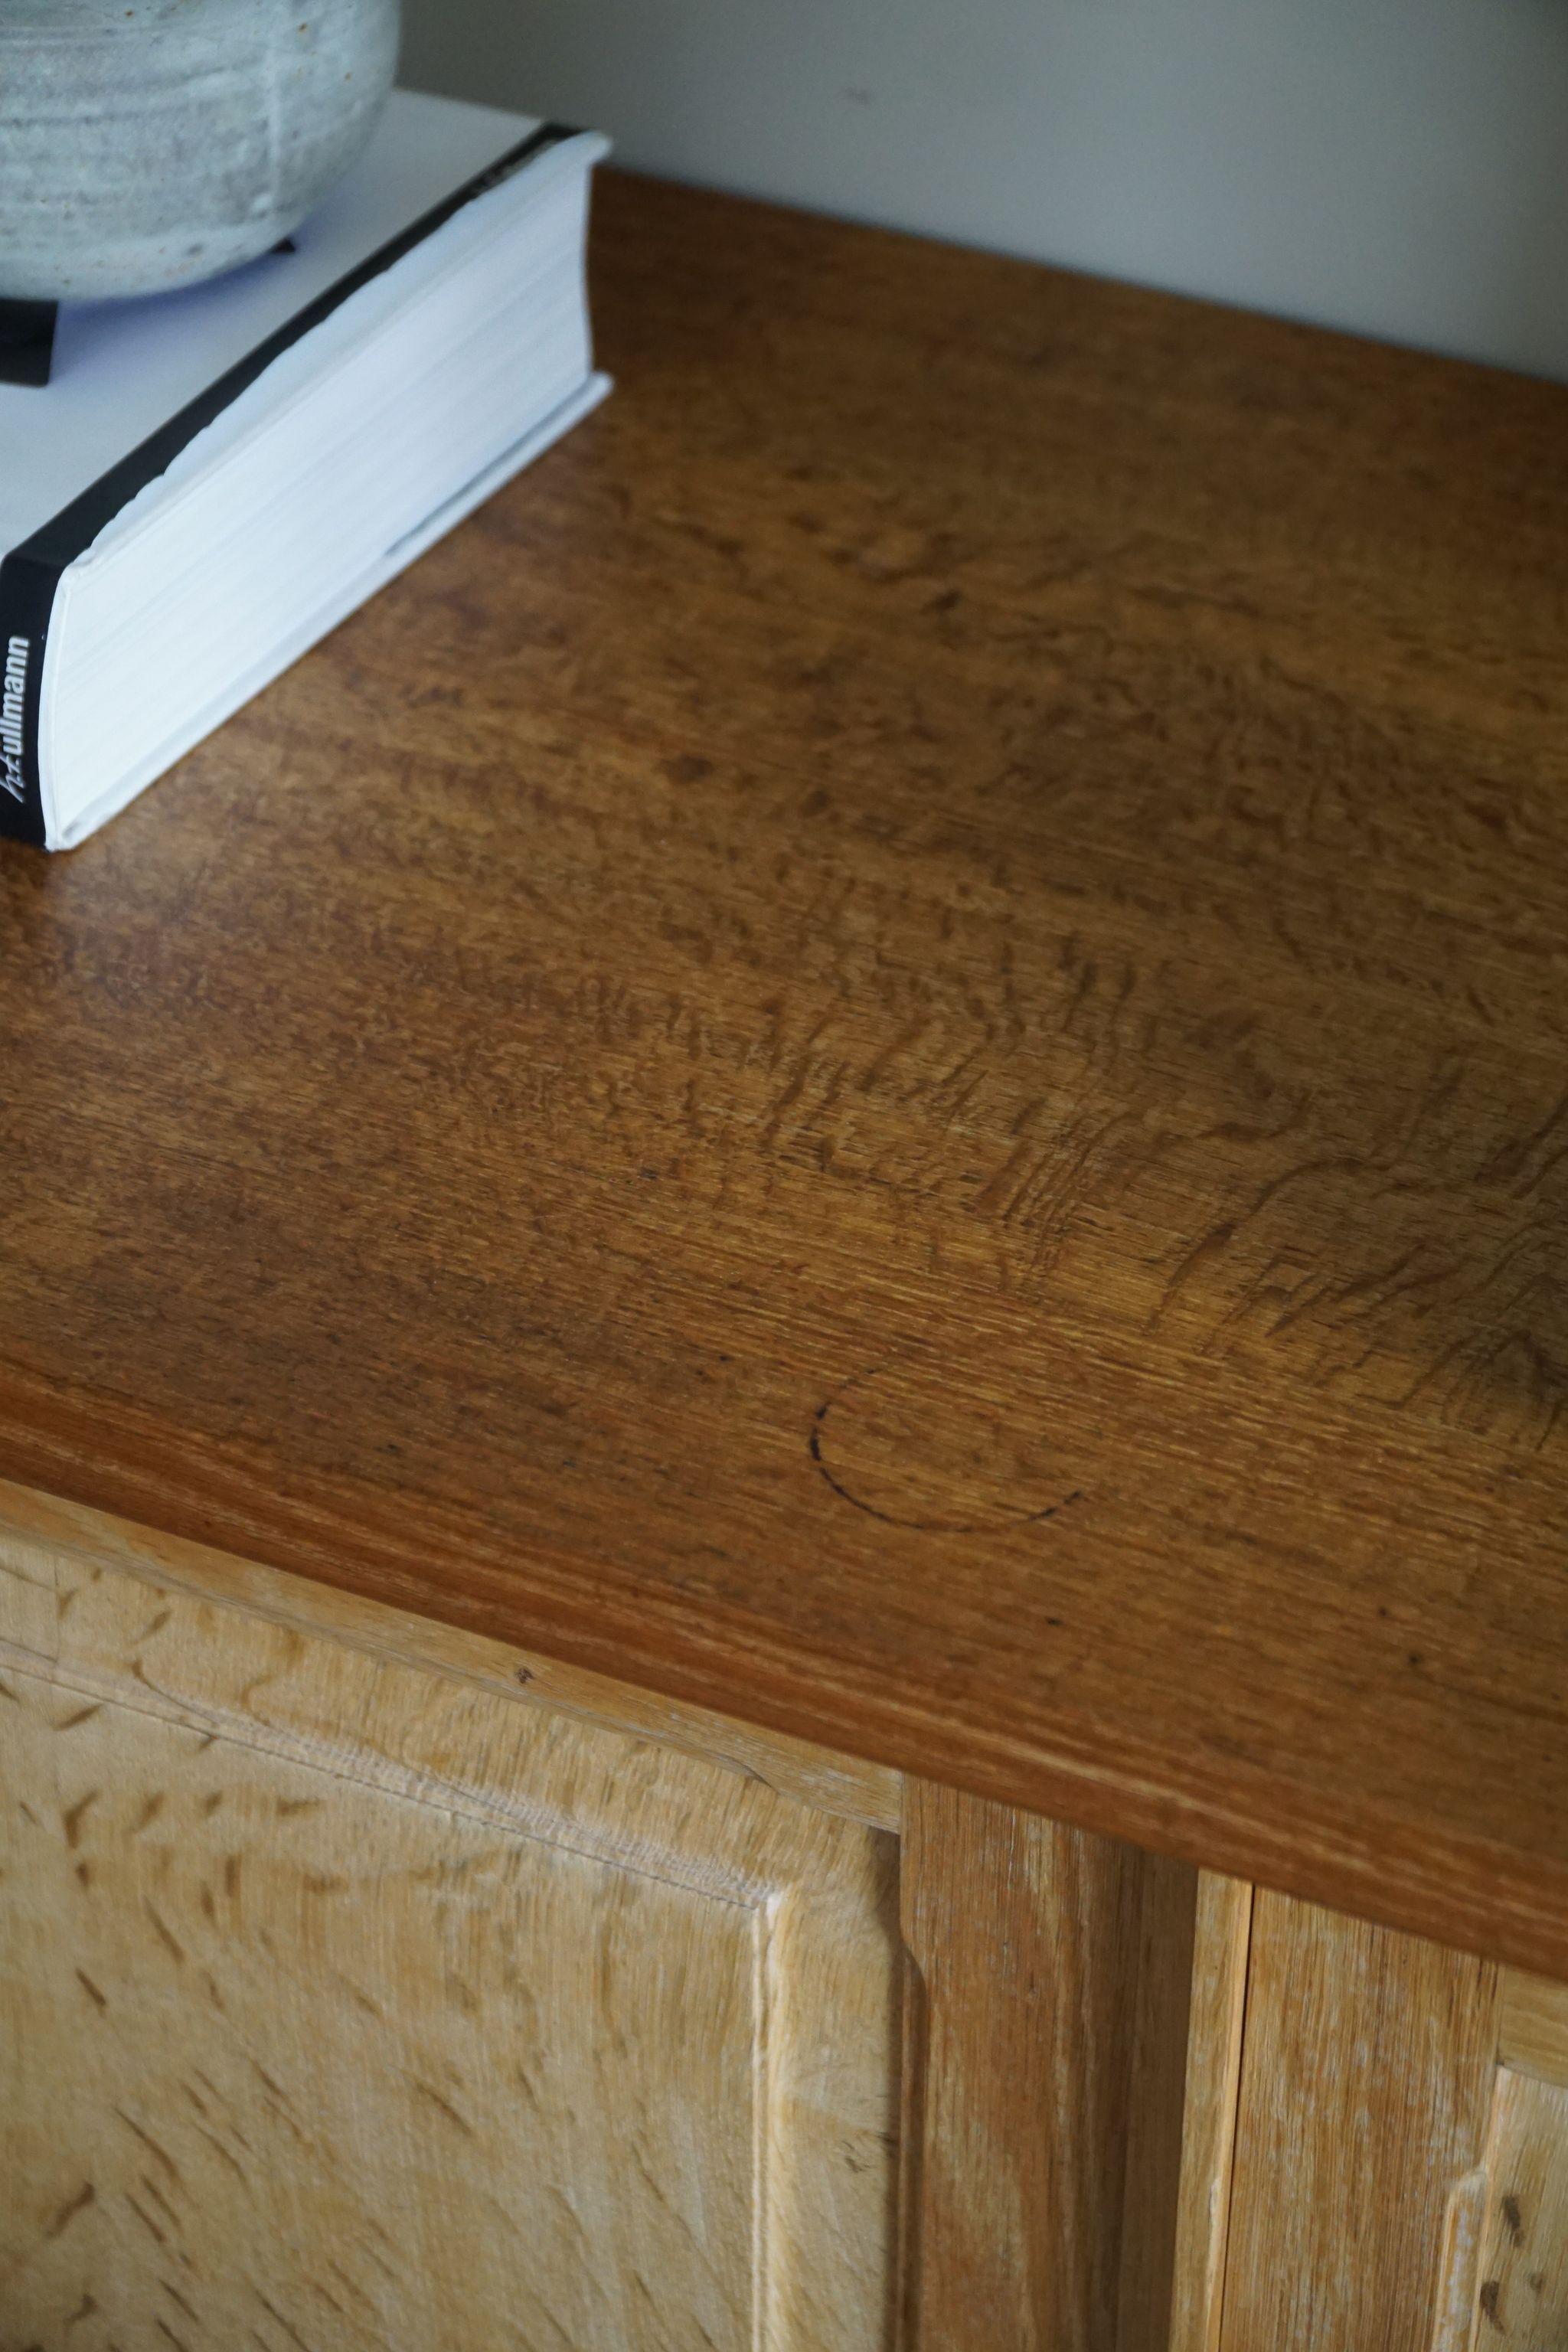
890	1052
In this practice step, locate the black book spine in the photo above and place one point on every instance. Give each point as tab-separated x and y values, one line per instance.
27	599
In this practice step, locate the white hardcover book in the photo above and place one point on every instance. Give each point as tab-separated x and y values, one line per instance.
213	478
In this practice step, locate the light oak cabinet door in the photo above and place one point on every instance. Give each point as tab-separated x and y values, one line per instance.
349	2006
366	1986
1401	2151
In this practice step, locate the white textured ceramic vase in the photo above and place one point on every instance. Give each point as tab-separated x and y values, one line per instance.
145	144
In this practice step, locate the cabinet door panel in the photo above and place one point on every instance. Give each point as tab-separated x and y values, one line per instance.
1366	2087
346	2007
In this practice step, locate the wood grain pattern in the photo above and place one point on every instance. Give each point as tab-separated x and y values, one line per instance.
40	1535
1367	2083
348	2006
887	1054
1162	2059
1532	2025
1523	2294
1519	2277
1221	1950
1054	2023
1459	2263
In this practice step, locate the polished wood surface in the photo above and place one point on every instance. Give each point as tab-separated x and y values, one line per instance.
888	1053
346	2005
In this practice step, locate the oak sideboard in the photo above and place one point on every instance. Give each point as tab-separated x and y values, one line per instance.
784	1501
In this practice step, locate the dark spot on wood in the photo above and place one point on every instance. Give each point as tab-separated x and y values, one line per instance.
157	2194
90	1989
687	768
425	2091
72	1820
1490	2295
69	2210
165	1935
263	2077
226	2154
1514	2218
973	1510
160	2155
525	1675
273	2313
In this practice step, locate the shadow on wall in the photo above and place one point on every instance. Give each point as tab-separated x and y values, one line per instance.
1398	167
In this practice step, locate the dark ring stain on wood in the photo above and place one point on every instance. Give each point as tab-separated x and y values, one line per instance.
986	1523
